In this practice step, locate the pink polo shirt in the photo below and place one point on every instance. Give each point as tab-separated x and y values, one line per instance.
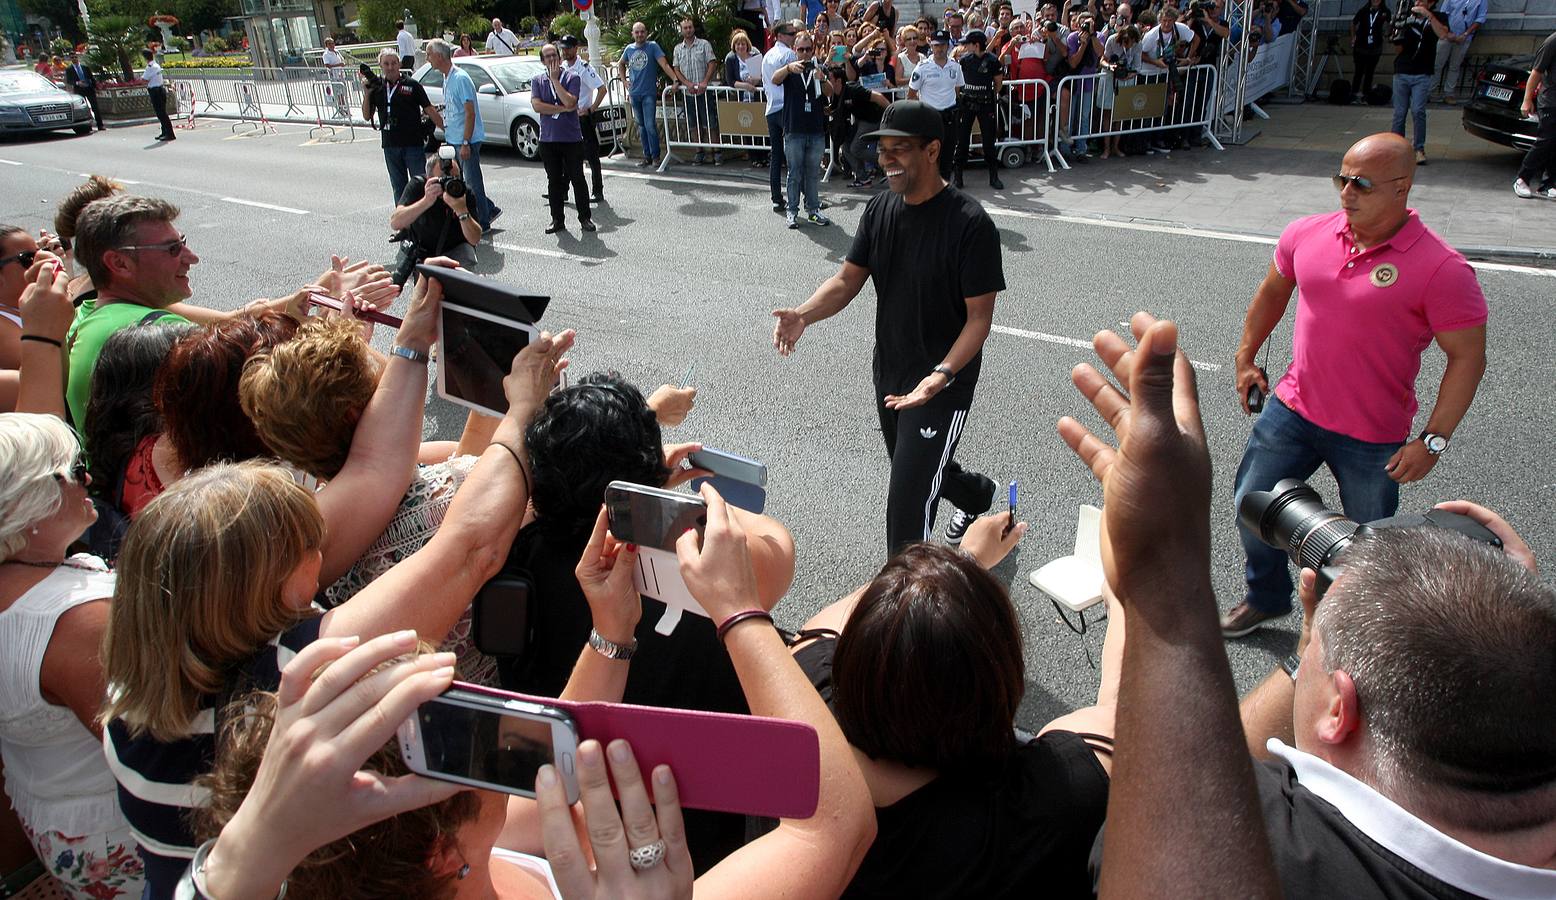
1363	320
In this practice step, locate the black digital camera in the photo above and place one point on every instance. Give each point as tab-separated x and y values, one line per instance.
453	185
1293	518
1403	19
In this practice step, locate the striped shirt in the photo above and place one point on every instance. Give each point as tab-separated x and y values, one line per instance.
156	779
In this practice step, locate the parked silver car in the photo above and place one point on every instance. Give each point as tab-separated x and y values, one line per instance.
29	103
502	86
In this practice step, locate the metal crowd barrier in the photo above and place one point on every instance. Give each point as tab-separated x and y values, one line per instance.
1026	123
732	119
1088	108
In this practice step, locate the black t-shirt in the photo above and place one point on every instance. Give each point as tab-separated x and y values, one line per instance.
1209	39
858	102
979	71
884	18
925	260
804	106
437	230
1417	49
1022	831
1290	18
1372	28
688	669
1544	61
400	118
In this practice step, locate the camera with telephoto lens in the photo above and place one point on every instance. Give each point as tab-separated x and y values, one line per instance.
1051	26
1403	19
452	185
1292	517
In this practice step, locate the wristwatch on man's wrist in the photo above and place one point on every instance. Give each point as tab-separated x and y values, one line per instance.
943	369
1435	443
464	216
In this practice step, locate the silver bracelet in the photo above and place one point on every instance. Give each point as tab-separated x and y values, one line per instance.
191	885
610	649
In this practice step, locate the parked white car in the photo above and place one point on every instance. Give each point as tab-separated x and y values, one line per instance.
502	83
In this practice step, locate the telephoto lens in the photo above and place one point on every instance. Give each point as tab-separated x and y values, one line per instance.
453	185
1293	518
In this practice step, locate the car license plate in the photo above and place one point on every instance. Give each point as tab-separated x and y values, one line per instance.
1496	93
612	112
53	117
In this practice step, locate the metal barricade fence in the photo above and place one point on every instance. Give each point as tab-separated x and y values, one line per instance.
720	118
1098	106
1026	123
185	91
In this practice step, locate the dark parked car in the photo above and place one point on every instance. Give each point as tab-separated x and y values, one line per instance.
1493	112
29	102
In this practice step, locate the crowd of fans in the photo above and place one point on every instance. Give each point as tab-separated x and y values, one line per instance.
980	64
230	566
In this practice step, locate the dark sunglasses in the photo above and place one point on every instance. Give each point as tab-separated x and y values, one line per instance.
77	472
1360	182
25	258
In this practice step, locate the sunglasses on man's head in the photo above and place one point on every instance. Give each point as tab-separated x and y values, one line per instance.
172	248
1360	182
23	258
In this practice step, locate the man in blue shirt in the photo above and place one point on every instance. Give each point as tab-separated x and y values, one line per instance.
637	69
462	128
1464	18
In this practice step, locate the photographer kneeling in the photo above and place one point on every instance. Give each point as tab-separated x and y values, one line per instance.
434	219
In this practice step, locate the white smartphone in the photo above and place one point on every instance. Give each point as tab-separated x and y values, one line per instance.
476	737
475	353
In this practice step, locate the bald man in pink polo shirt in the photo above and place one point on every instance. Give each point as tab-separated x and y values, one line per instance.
1375	287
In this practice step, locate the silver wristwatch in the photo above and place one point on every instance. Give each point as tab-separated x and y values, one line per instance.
1435	443
610	649
943	369
415	356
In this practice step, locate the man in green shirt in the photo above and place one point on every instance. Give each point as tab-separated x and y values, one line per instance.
139	264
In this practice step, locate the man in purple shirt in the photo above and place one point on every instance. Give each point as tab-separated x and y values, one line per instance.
554	96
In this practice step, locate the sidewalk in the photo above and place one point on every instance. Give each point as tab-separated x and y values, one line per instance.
1464	193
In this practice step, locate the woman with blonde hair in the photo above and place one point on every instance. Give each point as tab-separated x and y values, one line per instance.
216	581
912	52
53	609
305	398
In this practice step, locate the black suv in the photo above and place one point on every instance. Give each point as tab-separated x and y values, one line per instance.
1493	112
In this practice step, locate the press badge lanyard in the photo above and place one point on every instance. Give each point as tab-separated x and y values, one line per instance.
806	80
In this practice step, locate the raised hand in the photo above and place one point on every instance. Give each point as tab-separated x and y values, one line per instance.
787	331
604	573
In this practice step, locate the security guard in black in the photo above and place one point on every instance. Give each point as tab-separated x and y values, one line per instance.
984	74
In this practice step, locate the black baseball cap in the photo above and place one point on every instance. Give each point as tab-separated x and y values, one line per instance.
976	37
567	40
940	37
910	118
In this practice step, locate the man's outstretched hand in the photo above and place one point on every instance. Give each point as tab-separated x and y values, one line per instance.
1156	482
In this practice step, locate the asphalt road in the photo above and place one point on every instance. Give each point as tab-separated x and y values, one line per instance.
686	271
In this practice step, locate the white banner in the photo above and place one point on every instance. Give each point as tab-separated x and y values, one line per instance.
1269	69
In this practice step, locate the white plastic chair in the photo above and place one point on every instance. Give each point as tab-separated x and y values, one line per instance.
1075	581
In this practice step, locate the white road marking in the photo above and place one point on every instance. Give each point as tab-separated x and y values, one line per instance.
285	209
541	251
11	162
1078	343
1508	267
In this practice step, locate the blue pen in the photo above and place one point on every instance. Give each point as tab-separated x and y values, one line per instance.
1012	523
687	378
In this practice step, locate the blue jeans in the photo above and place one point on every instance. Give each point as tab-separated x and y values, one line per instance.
1285	445
776	161
644	110
803	151
1410	98
481	208
404	164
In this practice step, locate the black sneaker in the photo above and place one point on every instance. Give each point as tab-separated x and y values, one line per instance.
780	206
957	528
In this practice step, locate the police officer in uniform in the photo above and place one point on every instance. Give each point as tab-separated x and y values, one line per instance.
983	75
590	92
937	81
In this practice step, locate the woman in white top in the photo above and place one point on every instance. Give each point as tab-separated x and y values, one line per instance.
910	56
53	612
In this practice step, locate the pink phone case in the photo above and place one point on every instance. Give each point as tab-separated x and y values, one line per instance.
722	762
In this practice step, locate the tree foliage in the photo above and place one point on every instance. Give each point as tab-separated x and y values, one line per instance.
61	12
715	19
378	16
115	41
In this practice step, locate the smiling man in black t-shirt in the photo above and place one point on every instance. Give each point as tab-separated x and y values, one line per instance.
934	255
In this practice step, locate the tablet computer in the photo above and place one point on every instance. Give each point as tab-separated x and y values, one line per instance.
475	353
474	292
